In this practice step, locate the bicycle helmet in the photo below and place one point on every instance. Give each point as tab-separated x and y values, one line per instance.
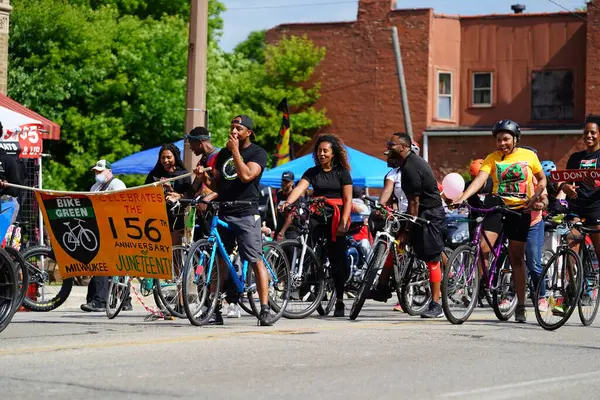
475	167
548	166
506	125
415	148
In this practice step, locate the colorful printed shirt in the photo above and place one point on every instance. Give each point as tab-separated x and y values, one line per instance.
512	175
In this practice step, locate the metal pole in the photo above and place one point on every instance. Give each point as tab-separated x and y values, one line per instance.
402	82
195	114
272	205
425	147
40	216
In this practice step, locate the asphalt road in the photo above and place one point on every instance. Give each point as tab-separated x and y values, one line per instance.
68	354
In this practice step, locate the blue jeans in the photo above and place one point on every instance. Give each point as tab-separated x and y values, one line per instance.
533	255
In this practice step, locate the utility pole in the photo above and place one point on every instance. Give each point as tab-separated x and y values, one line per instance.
195	110
402	82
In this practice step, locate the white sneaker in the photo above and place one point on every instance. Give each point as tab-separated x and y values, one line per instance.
234	311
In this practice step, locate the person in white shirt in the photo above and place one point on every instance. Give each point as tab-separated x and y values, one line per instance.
98	286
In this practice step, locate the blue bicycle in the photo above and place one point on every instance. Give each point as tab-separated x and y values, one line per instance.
203	270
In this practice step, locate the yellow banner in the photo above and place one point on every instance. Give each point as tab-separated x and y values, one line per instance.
109	233
283	149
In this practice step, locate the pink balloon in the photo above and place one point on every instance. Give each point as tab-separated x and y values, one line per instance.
454	185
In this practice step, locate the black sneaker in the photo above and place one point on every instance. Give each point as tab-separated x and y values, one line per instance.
264	318
520	314
216	318
93	306
433	311
381	293
339	309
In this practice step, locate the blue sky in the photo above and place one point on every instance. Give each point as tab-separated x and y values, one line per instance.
245	16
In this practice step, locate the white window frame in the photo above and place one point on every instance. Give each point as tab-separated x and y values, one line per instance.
474	89
438	95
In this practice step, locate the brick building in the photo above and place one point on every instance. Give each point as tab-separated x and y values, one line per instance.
463	73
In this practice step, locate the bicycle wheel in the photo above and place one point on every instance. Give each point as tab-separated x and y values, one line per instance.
280	282
118	291
170	290
460	285
8	289
51	291
504	294
21	272
415	293
563	276
375	264
201	282
308	286
589	300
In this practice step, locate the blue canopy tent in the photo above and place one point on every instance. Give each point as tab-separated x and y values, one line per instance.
367	171
141	162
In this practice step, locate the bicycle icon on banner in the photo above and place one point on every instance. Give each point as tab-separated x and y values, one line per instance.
79	236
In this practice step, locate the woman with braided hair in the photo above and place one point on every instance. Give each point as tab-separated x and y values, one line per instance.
330	179
170	165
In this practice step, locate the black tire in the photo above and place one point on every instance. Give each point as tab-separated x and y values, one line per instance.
169	291
589	301
311	284
557	274
201	292
503	290
280	282
415	292
47	298
21	272
375	264
118	291
461	267
8	289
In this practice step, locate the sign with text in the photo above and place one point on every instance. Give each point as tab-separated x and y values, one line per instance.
109	234
29	138
574	175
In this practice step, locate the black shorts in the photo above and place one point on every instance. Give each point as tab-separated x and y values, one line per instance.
591	216
515	227
427	240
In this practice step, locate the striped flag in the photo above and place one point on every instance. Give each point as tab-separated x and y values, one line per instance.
284	151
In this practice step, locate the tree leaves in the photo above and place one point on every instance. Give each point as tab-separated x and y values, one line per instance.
112	73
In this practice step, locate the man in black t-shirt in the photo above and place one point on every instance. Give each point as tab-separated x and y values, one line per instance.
286	229
424	201
237	173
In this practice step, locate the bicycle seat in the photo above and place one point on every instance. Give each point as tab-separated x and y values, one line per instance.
68	223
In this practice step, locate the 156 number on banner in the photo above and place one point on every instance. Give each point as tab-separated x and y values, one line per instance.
109	234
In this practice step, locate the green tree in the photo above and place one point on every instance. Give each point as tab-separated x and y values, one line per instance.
259	87
253	48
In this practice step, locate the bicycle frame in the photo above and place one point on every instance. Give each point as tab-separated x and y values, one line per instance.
489	273
215	238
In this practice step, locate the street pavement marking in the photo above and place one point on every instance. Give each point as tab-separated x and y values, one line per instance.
215	335
507	389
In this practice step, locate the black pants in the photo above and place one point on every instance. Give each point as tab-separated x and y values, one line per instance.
98	291
336	251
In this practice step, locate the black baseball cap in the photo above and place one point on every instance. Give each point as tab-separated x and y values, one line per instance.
287	176
245	121
198	133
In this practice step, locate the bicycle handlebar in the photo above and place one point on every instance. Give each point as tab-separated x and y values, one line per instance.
405	216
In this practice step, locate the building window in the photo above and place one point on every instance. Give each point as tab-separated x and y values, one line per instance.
552	95
482	89
444	98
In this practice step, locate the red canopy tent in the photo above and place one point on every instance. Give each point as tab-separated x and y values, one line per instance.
24	130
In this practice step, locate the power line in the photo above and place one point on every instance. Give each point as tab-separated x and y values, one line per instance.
293	5
567	9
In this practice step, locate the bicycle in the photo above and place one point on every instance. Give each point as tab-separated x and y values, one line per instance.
572	280
84	237
463	276
8	289
410	276
202	277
